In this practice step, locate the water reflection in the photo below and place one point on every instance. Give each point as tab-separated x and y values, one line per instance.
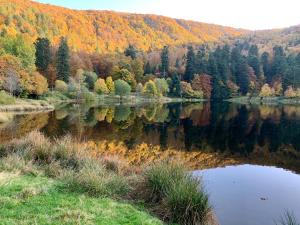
252	134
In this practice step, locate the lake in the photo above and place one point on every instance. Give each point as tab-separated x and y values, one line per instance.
247	155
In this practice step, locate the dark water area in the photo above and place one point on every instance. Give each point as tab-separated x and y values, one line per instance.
255	149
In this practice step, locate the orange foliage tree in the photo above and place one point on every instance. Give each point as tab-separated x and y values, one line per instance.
202	83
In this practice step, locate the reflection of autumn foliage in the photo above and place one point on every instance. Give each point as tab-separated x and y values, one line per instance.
292	112
100	114
103	31
23	125
270	112
144	154
198	113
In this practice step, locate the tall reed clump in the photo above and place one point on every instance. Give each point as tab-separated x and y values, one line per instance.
181	196
288	219
69	161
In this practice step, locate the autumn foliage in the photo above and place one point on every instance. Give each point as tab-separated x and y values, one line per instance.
103	31
202	83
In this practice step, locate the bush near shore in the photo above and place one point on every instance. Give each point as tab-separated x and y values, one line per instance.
166	189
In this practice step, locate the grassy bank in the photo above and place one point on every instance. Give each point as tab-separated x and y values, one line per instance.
70	173
36	199
9	103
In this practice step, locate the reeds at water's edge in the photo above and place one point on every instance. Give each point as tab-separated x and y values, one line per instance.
165	188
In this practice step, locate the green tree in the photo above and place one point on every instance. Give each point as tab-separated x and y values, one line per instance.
201	61
137	67
42	54
62	61
90	79
279	64
242	78
162	86
139	88
147	69
253	60
131	51
150	89
125	75
110	84
265	62
175	87
100	87
122	88
190	65
165	61
19	48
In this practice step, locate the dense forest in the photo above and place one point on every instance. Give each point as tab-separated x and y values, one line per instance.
104	31
41	51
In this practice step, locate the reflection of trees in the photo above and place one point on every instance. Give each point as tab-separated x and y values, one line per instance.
244	130
23	124
214	127
122	113
199	113
100	114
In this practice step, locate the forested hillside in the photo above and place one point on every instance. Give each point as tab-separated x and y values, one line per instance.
104	31
288	38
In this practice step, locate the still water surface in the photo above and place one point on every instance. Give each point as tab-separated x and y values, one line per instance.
259	145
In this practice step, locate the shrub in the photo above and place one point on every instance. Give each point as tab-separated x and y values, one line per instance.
40	83
139	88
100	87
94	179
110	84
266	91
184	200
15	163
187	204
202	83
278	88
6	99
61	86
150	89
160	178
126	76
162	86
122	88
188	92
290	93
90	79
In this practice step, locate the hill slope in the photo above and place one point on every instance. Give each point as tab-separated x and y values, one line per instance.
289	38
104	30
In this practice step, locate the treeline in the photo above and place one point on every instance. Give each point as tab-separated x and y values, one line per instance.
32	69
241	70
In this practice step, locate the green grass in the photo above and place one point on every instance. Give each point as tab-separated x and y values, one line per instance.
6	99
27	199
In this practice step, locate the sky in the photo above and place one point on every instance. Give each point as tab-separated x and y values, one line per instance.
248	14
